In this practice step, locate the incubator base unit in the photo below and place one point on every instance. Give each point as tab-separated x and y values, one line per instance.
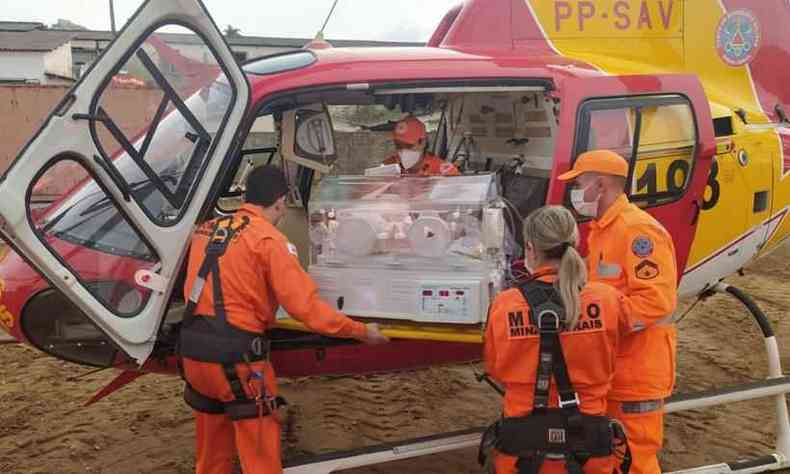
408	248
414	296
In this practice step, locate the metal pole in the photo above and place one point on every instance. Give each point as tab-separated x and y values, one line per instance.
774	366
112	17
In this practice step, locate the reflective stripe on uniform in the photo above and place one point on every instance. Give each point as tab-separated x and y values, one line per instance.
643	406
197	289
608	270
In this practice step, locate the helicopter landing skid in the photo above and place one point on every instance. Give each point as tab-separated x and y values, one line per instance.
776	385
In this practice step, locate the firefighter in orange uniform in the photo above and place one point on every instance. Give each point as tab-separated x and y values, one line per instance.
588	336
410	140
241	268
631	251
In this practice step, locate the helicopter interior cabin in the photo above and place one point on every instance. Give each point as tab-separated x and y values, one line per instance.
395	248
505	131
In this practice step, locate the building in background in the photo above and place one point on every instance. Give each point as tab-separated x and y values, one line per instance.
32	55
67	53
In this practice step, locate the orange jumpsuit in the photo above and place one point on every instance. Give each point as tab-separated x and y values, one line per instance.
259	271
429	165
511	357
631	251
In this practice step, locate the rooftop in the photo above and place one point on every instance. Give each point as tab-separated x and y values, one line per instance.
33	36
20	25
33	40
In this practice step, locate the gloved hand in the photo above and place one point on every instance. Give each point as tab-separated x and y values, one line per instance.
374	335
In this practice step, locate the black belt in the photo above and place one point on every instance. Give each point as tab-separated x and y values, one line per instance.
207	339
236	409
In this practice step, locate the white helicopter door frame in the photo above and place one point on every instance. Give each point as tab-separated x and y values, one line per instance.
114	241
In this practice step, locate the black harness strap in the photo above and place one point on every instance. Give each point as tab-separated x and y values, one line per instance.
547	314
222	234
236	410
214	339
234	381
563	433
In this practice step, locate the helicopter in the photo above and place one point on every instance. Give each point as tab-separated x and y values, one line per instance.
97	212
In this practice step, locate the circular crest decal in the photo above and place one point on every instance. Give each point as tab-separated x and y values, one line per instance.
642	246
738	37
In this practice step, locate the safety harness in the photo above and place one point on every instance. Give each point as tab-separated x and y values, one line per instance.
563	433
214	339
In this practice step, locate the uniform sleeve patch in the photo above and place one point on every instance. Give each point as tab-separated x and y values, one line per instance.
647	270
642	246
292	249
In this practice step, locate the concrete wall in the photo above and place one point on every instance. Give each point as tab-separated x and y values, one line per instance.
59	61
24	108
22	65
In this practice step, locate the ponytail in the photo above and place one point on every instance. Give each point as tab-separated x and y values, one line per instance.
572	278
553	233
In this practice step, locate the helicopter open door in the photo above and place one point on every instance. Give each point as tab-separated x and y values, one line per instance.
103	200
662	125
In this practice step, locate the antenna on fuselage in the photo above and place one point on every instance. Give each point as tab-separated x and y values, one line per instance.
318	42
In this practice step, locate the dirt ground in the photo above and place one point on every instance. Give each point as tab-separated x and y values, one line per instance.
146	428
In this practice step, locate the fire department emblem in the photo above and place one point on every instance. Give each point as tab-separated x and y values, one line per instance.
738	37
642	246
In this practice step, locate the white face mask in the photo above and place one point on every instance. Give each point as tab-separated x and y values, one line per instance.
527	266
409	158
584	208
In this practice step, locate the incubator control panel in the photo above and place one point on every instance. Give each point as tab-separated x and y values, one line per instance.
445	302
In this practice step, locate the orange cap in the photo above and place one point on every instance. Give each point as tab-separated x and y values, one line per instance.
597	161
409	131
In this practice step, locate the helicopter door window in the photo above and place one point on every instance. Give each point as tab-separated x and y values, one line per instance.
82	225
663	131
155	120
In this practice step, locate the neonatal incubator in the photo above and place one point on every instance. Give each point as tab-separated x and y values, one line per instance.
410	248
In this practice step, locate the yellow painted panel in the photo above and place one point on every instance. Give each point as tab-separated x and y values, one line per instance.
405	330
610	18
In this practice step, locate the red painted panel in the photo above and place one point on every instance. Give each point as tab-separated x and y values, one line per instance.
355	359
480	25
678	217
784	133
361	359
771	66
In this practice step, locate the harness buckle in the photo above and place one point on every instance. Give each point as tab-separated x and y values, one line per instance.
271	403
261	347
569	403
218	240
220	235
549	320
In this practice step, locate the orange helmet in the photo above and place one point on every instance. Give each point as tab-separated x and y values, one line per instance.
409	131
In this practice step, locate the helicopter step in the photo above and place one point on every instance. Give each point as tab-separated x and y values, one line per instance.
776	385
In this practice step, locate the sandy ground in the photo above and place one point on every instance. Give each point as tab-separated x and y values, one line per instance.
146	428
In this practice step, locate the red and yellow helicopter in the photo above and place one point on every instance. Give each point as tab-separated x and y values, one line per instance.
97	212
